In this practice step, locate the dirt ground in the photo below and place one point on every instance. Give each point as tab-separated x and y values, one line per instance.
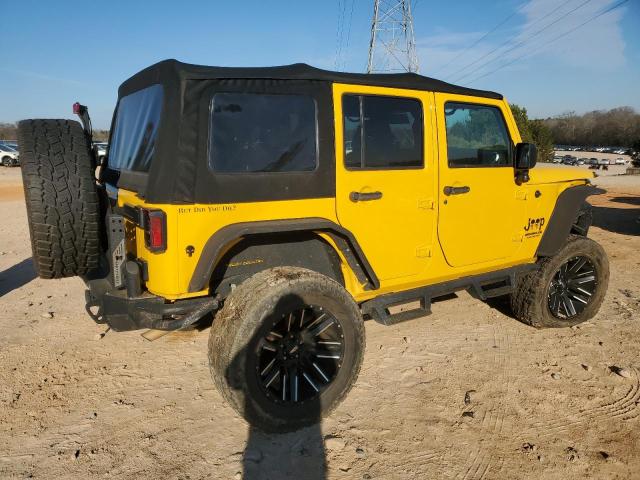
466	393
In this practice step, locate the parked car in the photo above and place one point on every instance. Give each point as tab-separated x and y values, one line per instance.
100	150
603	161
620	161
249	210
9	157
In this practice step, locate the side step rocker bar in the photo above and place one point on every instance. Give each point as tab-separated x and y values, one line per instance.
488	285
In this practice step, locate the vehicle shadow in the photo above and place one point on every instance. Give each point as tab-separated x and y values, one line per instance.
625	221
285	456
17	276
502	304
275	456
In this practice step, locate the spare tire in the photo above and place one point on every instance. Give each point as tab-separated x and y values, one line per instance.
62	201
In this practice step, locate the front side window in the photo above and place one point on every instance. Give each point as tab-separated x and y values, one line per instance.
477	136
136	130
251	133
382	132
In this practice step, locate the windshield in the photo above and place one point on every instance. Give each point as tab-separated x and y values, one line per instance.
6	148
136	130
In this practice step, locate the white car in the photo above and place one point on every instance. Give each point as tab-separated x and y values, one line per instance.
620	161
101	151
9	157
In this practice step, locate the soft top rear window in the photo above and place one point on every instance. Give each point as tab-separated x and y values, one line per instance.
136	130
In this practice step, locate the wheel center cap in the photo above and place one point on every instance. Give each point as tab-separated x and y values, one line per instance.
291	344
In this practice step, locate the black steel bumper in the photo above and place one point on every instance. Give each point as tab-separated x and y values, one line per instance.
105	304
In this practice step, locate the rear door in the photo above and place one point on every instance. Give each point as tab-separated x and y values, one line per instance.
385	177
481	207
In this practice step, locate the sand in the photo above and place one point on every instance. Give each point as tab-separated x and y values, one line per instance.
465	393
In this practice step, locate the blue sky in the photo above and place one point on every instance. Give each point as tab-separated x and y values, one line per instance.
54	53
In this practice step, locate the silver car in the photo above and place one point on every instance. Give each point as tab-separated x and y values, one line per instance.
9	157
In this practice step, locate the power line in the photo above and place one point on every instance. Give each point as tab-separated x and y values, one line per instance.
519	44
340	31
549	42
508	41
344	62
480	39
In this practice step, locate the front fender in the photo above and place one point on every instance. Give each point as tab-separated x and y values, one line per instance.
564	215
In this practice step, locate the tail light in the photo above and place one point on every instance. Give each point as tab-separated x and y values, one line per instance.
155	230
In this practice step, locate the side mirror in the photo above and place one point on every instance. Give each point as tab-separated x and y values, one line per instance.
526	158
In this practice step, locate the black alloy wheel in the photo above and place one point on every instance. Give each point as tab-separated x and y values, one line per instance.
572	287
300	356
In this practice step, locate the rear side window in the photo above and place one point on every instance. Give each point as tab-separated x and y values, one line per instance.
477	136
251	133
136	130
382	132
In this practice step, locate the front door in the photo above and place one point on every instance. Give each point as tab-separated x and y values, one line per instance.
481	207
385	175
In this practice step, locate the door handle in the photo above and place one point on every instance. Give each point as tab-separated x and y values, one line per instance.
364	197
456	190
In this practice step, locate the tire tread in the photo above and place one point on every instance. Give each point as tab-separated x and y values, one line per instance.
61	197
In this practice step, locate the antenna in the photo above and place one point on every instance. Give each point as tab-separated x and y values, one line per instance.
393	45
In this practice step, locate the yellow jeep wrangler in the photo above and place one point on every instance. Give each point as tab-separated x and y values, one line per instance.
292	203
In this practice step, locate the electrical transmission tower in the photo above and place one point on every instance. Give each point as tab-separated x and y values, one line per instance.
393	46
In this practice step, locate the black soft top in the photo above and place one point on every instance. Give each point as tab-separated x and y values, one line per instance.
173	72
180	172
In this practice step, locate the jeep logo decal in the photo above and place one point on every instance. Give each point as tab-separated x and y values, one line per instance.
534	223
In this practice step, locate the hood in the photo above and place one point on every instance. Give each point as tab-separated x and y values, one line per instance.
542	173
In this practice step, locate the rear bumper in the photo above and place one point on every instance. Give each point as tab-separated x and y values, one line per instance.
105	304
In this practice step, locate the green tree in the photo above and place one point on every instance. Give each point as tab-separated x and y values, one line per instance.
534	131
543	138
522	120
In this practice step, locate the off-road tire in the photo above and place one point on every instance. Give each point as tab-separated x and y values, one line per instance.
242	320
529	301
62	201
6	161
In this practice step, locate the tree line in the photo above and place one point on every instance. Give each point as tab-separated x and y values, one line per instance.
618	127
9	131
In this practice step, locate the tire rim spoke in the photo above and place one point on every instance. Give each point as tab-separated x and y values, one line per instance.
569	307
319	370
294	390
268	345
578	264
284	386
269	366
309	381
321	328
575	296
581	280
271	378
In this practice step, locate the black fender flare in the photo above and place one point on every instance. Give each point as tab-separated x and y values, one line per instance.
343	238
564	215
